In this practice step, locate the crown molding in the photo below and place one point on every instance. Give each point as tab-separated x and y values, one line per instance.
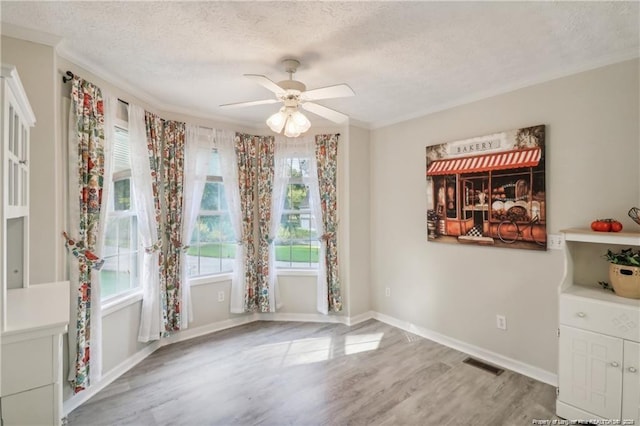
27	34
543	78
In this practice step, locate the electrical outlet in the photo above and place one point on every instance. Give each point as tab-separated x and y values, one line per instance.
555	241
501	322
387	291
221	296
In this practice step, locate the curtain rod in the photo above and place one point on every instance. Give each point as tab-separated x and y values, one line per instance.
65	79
70	77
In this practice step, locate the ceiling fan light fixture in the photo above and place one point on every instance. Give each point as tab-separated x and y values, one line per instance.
291	120
277	121
291	129
301	121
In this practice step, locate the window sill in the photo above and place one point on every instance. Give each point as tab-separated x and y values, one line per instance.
210	279
117	303
297	272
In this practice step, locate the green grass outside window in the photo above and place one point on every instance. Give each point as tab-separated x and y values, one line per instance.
295	253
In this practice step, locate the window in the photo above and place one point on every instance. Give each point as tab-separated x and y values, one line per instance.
297	242
212	248
119	274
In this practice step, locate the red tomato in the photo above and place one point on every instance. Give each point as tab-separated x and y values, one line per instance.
616	226
601	225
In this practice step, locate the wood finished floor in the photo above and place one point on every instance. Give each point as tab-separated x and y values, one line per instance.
290	373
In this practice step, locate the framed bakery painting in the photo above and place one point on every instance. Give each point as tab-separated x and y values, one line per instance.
489	190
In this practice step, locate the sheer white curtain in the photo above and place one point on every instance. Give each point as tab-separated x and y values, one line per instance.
198	147
110	108
225	143
150	318
74	212
285	149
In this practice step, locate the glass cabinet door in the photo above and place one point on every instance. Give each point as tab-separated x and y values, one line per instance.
17	152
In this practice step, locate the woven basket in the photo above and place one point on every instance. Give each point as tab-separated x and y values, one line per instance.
625	280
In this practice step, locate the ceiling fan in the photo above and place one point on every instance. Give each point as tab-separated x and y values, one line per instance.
294	94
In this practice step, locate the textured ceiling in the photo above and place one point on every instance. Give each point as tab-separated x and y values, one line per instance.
403	59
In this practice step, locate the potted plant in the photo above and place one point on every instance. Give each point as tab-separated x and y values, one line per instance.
624	272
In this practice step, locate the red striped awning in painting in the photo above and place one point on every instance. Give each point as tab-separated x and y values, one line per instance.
480	163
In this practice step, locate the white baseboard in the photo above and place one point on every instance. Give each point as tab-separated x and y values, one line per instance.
316	317
190	333
283	316
488	356
357	319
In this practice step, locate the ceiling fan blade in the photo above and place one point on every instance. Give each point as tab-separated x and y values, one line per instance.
337	91
267	83
323	111
250	103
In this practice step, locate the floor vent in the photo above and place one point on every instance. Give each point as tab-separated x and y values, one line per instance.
484	366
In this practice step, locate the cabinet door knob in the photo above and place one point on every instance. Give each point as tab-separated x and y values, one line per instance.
614	364
632	369
581	314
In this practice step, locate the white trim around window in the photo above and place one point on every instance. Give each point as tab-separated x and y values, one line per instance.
210	279
297	272
121	301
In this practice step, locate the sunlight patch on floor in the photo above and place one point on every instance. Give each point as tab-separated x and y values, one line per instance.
308	351
357	343
312	350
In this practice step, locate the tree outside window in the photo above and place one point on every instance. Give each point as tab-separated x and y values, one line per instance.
297	242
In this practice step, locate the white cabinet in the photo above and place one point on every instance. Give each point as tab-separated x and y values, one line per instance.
591	372
599	347
15	122
33	407
32	318
31	362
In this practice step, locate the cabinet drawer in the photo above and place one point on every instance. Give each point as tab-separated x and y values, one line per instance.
589	314
27	364
35	407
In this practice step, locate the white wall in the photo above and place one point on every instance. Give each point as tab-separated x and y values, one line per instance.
593	162
358	198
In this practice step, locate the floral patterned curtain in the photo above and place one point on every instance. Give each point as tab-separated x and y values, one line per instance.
245	146
327	159
165	143
87	104
173	181
266	165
